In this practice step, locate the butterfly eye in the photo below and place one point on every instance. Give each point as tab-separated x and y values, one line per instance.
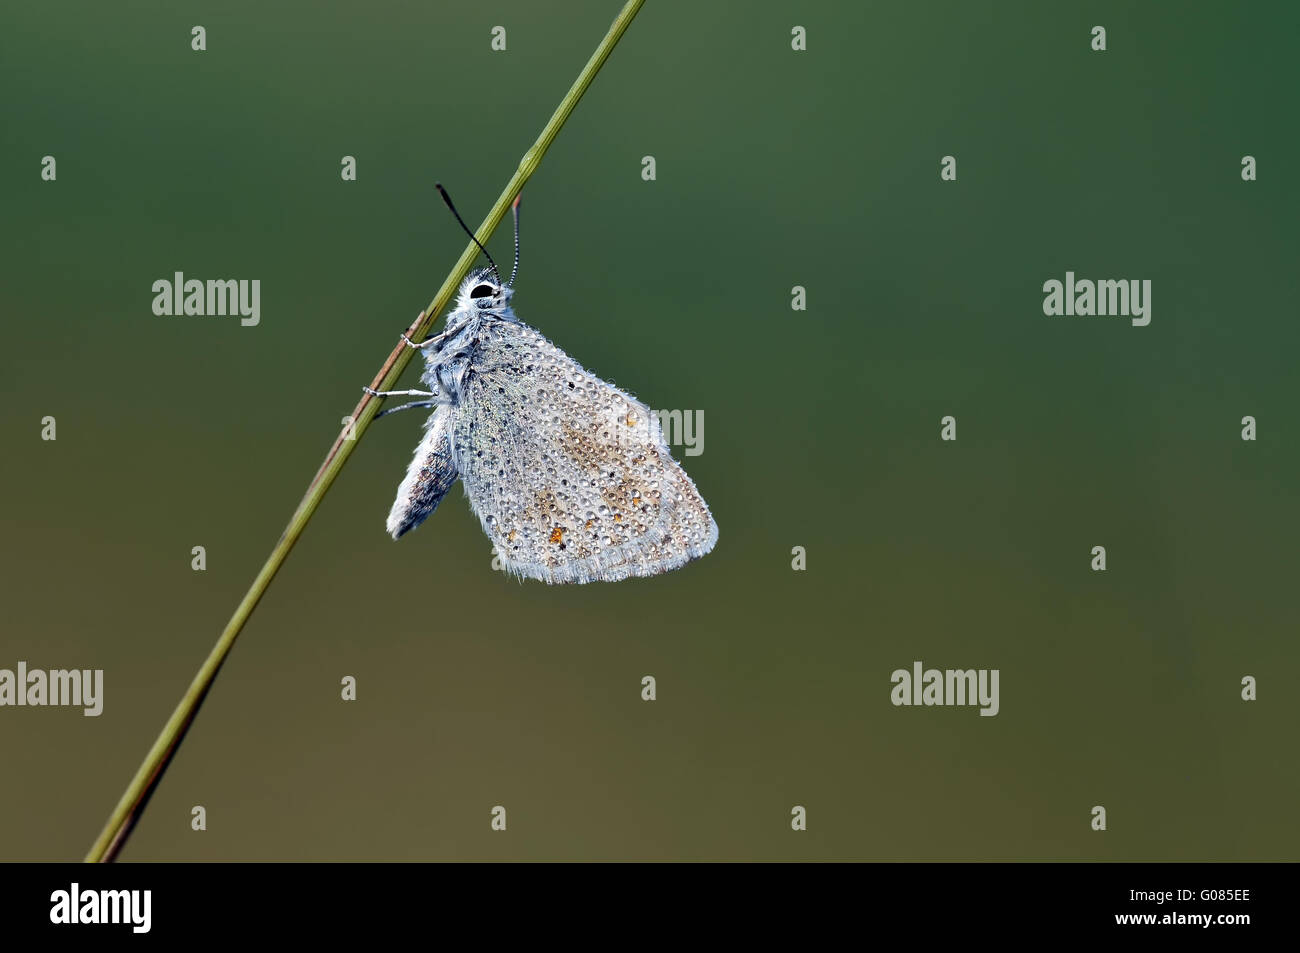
482	291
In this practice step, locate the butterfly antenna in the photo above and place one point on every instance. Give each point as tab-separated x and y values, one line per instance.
514	209
474	238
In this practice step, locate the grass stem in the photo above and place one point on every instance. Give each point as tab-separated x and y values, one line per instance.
132	804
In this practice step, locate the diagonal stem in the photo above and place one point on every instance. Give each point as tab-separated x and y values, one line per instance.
141	788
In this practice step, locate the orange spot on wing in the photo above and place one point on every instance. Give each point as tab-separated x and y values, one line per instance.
557	534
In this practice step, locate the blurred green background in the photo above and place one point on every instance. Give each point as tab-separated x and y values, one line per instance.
775	168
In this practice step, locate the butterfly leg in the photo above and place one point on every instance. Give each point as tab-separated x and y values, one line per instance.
410	406
423	344
399	393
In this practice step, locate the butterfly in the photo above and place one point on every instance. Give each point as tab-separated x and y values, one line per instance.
570	476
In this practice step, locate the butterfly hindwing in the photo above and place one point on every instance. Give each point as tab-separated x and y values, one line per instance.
428	478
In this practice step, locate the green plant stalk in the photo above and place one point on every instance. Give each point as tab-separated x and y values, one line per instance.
138	792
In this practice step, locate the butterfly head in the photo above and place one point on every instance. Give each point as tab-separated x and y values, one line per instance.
484	292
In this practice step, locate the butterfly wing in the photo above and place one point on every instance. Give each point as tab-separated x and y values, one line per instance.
569	475
428	478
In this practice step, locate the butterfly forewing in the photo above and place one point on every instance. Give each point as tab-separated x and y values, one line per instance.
569	475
